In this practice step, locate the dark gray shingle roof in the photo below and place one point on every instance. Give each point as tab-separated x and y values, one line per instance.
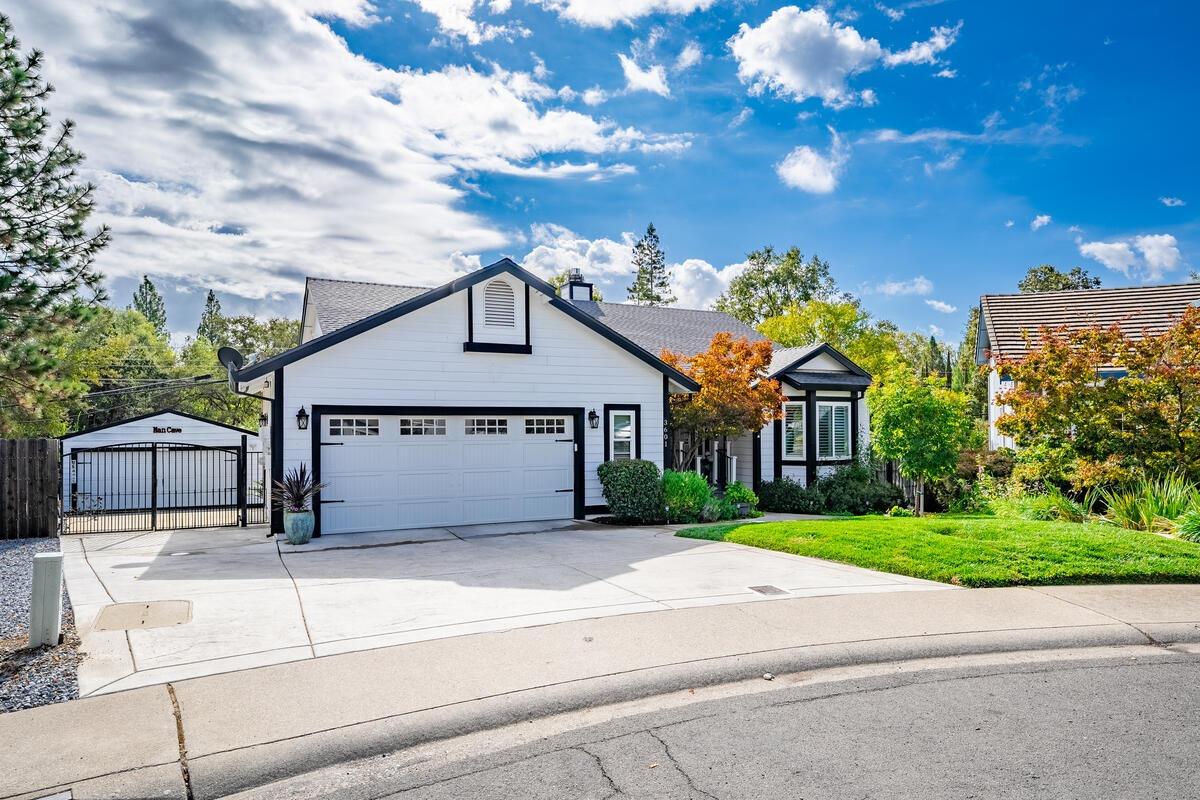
339	303
1005	317
682	330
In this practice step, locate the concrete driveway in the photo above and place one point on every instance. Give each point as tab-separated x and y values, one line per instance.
191	603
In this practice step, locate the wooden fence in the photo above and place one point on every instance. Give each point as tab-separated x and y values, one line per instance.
30	477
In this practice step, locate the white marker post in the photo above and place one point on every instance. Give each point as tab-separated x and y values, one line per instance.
45	608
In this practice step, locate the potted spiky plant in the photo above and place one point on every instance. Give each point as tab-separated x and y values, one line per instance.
294	494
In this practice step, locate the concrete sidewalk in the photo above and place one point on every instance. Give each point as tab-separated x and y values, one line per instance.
215	735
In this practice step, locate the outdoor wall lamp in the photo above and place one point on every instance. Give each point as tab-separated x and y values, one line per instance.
593	419
302	419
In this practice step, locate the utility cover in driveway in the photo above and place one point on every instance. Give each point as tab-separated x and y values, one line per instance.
132	616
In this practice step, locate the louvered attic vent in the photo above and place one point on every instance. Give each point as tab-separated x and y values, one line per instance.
499	305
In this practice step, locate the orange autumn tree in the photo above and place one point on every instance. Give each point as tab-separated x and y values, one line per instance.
735	396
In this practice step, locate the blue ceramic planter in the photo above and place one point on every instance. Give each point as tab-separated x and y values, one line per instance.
298	526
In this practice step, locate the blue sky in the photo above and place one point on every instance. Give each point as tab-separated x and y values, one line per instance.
931	151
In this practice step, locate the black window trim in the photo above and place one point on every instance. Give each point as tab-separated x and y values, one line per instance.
636	408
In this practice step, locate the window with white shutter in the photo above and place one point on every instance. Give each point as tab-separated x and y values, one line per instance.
793	430
833	431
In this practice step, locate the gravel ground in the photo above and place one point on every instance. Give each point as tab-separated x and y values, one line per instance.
44	675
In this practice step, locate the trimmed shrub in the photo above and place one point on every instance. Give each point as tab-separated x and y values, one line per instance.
738	492
633	490
856	490
900	511
786	496
685	494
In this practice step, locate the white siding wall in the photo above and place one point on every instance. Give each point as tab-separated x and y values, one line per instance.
418	360
743	449
996	440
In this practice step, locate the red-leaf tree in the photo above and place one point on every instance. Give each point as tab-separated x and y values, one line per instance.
1095	406
735	396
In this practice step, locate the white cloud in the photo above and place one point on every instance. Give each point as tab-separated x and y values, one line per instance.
651	79
697	283
810	170
941	39
946	163
805	54
946	72
937	332
594	96
919	285
607	13
242	146
1160	252
689	56
1117	256
607	263
894	14
1147	257
741	118
938	305
1009	223
1038	222
1172	202
456	18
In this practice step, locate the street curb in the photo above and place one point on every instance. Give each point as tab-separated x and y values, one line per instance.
220	774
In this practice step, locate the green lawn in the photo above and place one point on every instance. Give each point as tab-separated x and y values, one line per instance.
976	551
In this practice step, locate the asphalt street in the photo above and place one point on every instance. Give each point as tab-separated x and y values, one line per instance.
1120	726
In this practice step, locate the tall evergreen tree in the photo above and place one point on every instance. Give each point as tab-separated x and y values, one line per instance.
210	320
149	303
48	284
651	279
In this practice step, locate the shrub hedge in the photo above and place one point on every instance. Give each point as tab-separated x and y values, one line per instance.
786	496
633	490
685	495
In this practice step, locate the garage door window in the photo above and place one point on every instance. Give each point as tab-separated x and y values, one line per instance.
487	427
539	425
354	426
422	427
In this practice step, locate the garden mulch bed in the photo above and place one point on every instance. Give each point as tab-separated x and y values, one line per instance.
31	677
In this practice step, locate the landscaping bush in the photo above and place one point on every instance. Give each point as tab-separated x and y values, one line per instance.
1188	526
685	495
633	490
786	496
856	490
717	509
900	511
1150	505
737	492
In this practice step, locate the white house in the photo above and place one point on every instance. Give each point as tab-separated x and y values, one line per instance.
1009	324
494	398
123	465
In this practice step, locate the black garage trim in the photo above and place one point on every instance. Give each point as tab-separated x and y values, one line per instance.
756	470
596	509
318	411
276	446
636	408
495	347
504	265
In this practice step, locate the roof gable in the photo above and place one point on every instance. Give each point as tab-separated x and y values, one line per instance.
791	359
159	413
427	297
1004	318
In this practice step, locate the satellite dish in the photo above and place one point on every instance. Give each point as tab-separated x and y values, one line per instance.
230	358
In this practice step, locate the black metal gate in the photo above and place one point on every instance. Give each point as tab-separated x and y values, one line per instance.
150	486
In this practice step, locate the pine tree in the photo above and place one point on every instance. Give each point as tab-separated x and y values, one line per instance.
48	284
210	320
651	279
149	303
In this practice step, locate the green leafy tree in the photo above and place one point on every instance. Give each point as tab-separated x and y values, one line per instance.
48	284
210	319
922	426
149	303
651	278
969	378
253	337
846	326
774	282
1046	278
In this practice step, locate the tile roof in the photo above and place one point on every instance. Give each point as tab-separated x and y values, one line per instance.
683	330
1005	317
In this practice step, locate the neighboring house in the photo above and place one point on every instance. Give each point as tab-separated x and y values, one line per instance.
1005	319
494	398
111	467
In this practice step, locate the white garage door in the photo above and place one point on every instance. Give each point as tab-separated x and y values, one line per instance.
392	472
